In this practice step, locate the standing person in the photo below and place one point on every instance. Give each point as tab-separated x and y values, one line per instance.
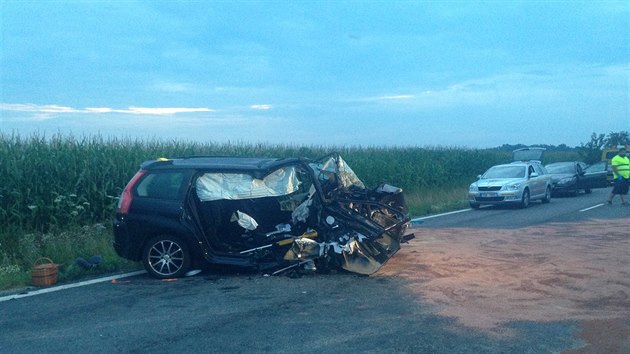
621	173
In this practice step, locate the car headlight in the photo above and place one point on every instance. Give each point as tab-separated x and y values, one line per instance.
473	188
511	187
567	180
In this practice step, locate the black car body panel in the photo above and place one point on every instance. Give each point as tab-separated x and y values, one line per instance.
570	177
263	213
599	169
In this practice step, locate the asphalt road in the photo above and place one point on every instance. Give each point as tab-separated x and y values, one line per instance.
561	209
254	313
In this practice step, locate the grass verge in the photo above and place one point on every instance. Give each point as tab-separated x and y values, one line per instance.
63	248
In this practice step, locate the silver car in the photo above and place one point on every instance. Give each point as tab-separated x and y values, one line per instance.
516	183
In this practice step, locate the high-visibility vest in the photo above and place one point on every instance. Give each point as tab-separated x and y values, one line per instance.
623	166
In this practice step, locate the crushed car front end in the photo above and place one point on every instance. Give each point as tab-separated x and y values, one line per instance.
344	224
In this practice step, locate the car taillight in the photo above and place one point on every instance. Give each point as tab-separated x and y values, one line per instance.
125	199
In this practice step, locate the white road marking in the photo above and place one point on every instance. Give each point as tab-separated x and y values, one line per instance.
593	207
69	286
443	214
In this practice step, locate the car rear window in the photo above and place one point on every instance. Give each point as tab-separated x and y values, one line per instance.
163	185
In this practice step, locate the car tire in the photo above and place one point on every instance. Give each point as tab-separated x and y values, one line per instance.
474	205
166	256
525	199
547	197
587	191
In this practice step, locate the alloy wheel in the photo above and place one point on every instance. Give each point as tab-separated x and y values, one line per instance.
166	257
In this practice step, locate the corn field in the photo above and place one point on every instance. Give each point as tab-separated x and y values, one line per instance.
52	182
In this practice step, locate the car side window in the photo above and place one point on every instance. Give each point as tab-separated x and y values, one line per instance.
163	185
597	167
539	169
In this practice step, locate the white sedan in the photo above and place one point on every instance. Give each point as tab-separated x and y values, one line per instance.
516	183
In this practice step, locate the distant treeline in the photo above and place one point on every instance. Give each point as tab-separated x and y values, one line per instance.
589	152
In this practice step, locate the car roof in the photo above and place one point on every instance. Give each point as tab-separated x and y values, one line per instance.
221	163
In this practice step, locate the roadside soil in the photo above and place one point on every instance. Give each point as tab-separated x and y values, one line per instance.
555	272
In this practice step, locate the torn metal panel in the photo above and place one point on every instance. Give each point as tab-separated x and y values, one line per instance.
334	170
303	249
347	177
358	260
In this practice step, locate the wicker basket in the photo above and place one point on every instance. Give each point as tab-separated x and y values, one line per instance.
44	272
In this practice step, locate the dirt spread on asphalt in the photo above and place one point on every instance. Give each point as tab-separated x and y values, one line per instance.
556	272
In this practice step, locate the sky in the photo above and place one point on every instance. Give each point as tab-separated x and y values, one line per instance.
472	74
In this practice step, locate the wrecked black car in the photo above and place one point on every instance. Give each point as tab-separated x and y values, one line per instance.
268	214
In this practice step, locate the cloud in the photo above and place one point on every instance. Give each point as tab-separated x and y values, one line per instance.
261	107
385	98
172	87
17	107
395	97
527	85
161	111
52	109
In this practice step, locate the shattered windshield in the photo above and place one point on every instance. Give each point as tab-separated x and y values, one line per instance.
335	170
235	186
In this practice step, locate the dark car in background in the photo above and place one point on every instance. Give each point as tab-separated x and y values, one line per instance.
571	177
268	214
